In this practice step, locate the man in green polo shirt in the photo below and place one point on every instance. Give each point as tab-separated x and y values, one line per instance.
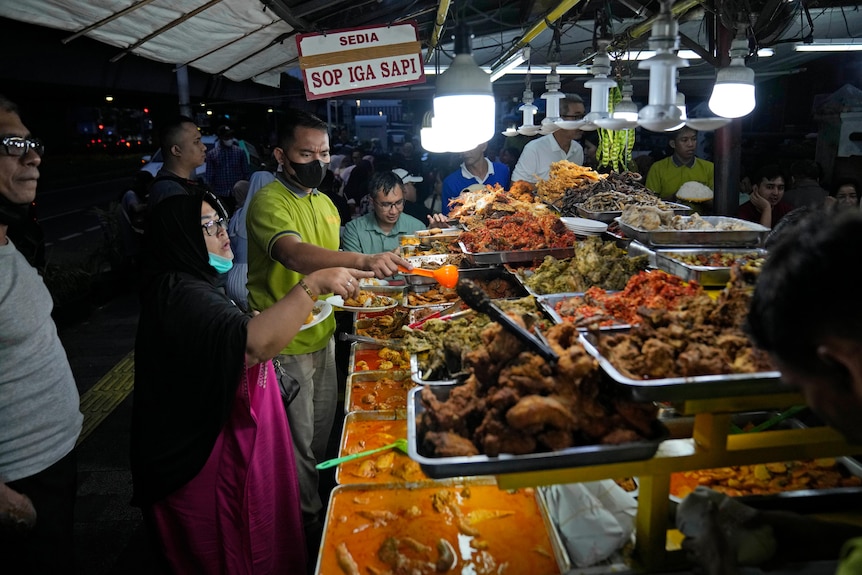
293	230
378	230
666	176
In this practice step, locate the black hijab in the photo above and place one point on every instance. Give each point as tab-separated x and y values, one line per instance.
189	352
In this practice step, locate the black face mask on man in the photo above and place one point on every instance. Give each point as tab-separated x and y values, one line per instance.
309	175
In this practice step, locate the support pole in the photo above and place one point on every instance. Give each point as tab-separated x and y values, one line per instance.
183	90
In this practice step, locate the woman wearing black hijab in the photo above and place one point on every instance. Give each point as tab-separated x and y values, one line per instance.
211	453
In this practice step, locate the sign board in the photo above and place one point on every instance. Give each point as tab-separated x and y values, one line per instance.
355	60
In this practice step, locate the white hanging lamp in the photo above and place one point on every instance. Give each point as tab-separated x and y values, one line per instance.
625	114
600	87
432	140
552	97
661	113
733	94
464	107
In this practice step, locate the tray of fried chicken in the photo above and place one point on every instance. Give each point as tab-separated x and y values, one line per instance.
516	412
696	351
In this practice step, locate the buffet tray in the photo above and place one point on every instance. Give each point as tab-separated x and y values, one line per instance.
357	422
580	456
421	262
497	258
549	302
327	563
362	348
692	387
357	379
416	374
607	217
418	289
704	275
752	236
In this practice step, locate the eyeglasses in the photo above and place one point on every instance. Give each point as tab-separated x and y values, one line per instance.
18	146
210	226
389	205
573	117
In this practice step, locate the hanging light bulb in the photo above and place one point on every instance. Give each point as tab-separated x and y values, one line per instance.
661	113
464	107
432	140
599	87
626	109
528	113
733	93
552	99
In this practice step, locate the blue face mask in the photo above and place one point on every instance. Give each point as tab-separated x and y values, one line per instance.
221	265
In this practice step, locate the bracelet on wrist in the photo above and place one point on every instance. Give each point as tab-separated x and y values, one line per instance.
304	286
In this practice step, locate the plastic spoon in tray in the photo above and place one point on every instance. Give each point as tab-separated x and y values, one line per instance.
400	444
446	276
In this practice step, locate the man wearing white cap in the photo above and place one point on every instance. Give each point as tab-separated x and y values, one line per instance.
379	230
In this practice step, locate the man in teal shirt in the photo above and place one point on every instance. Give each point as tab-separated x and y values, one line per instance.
666	176
379	230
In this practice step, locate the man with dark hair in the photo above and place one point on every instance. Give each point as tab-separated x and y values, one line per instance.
227	164
40	419
666	176
475	169
293	230
379	230
183	152
805	189
818	349
766	205
536	158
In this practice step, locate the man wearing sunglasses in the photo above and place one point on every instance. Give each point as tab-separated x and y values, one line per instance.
380	230
40	418
538	155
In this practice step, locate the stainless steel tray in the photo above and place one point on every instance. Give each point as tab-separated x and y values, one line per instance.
549	302
752	236
405	302
327	565
355	417
682	388
497	258
356	347
680	209
581	456
704	275
421	262
363	376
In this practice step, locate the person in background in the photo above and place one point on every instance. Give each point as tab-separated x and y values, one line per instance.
227	163
357	184
818	350
805	189
475	169
183	152
407	159
379	230
744	188
40	418
536	158
509	156
666	176
293	230
766	205
845	195
133	209
412	205
237	276
211	468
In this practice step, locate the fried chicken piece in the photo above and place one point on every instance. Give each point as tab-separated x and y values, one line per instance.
503	397
528	374
508	441
658	359
556	439
700	359
534	412
463	406
620	435
448	444
639	416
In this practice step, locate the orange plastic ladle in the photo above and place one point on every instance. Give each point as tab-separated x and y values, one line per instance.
446	276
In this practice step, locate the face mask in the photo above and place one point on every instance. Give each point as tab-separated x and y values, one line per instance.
310	175
221	265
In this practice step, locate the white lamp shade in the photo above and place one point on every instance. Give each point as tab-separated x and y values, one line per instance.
464	106
432	140
733	93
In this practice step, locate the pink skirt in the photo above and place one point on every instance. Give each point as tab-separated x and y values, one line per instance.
241	514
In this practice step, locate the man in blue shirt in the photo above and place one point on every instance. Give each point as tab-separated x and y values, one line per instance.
475	169
226	165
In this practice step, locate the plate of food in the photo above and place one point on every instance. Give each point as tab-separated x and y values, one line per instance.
319	313
364	301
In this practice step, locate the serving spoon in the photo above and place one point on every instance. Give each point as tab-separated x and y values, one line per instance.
400	444
446	276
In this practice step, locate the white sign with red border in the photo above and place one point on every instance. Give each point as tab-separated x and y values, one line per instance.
354	60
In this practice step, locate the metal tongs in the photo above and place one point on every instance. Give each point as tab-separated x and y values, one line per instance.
390	343
479	300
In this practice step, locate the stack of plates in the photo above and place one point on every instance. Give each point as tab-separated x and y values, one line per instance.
584	226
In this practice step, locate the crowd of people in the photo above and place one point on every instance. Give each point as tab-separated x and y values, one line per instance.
229	268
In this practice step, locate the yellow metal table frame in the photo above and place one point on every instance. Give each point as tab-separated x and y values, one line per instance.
710	446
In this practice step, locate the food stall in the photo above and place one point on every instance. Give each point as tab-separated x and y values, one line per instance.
577	390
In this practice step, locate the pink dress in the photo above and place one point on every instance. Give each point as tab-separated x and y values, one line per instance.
240	515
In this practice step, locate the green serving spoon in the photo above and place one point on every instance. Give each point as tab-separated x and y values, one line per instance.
400	444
